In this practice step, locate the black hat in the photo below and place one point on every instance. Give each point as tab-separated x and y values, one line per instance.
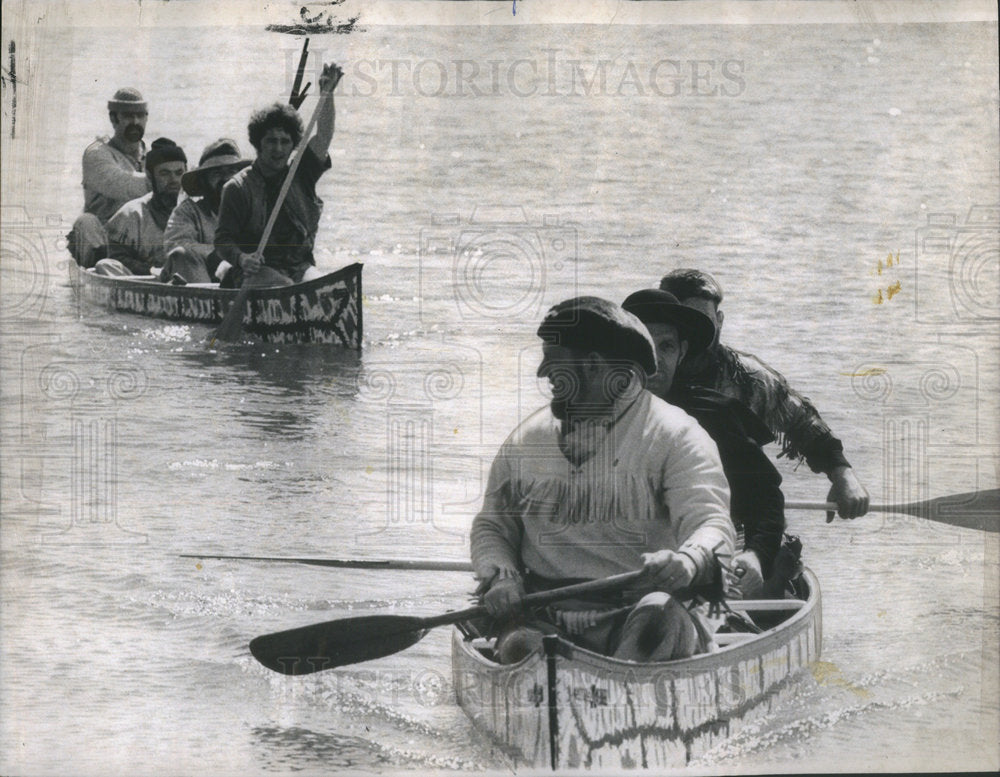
685	282
163	150
222	153
595	324
652	306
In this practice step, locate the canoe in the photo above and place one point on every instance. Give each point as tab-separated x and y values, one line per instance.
564	707
323	310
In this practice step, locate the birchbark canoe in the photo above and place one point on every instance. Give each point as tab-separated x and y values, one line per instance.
324	310
568	708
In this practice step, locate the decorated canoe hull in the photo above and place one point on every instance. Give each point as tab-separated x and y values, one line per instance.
324	310
568	708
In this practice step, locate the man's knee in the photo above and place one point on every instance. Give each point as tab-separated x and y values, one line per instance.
87	240
515	644
659	628
186	264
266	278
112	268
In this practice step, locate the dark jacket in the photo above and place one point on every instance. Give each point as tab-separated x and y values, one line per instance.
756	502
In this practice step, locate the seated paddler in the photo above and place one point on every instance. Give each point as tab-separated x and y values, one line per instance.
135	232
249	196
113	174
757	505
605	479
189	239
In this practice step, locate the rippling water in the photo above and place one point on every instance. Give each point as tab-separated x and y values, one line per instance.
128	442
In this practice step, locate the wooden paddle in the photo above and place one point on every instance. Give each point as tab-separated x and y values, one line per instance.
309	649
232	324
971	510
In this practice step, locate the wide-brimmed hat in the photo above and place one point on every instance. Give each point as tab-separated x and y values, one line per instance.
595	324
222	153
653	306
127	99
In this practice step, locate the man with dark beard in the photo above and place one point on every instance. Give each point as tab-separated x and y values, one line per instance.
112	175
190	233
607	479
135	232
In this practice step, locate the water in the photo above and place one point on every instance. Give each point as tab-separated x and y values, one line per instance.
127	442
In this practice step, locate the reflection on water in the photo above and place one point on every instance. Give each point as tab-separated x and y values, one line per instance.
294	748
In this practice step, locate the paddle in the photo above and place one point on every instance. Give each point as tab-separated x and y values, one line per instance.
232	324
383	563
971	510
309	649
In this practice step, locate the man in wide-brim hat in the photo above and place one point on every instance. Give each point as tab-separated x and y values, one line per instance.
607	479
757	504
190	235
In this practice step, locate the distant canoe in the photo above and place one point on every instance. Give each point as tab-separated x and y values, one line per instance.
324	310
569	708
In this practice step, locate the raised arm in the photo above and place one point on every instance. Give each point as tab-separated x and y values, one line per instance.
320	142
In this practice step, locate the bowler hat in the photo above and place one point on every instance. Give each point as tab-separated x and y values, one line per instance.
652	306
221	153
601	326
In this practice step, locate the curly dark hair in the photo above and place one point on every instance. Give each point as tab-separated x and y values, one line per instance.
277	116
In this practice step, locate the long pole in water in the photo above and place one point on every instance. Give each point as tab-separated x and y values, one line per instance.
971	510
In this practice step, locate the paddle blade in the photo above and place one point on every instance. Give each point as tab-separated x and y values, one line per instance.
974	510
232	325
336	643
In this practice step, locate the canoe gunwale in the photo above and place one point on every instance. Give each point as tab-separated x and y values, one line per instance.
499	698
325	310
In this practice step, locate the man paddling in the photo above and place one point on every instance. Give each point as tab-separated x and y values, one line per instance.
113	174
756	504
189	239
249	197
789	415
606	479
135	232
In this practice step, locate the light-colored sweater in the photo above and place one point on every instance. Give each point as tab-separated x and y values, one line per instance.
191	226
111	178
135	234
654	482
